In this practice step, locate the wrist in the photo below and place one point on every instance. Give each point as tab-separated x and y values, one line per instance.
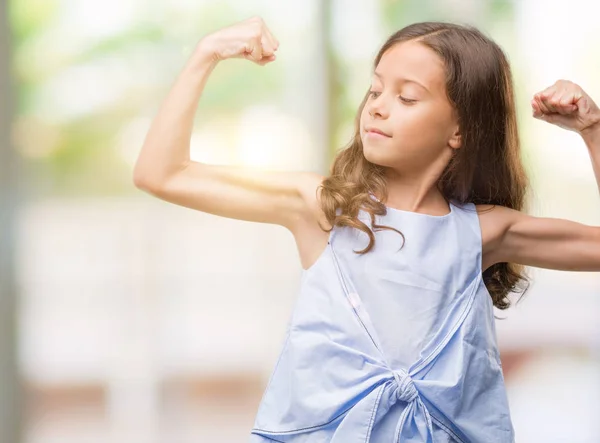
591	134
204	57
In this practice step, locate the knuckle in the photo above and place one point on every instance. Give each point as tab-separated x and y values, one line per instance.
255	35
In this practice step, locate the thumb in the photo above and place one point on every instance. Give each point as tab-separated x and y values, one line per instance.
254	51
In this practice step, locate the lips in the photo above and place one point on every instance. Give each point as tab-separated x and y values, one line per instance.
376	131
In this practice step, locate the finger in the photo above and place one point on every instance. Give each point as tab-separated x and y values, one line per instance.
542	98
569	103
267	46
263	61
274	42
541	104
555	102
548	100
267	59
567	98
562	103
583	104
537	112
255	51
267	41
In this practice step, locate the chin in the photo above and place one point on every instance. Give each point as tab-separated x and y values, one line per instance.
376	155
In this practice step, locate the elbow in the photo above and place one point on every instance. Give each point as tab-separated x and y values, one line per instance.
143	182
152	181
152	184
139	179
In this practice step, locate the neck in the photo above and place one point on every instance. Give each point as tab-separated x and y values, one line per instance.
416	192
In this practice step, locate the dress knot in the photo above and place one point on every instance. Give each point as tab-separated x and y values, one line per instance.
406	390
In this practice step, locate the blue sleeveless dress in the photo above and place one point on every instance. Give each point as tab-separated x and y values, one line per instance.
392	346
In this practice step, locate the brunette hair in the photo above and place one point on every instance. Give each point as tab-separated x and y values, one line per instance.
486	169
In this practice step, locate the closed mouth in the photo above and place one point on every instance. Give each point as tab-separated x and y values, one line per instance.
376	131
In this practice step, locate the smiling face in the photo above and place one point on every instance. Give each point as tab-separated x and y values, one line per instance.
408	103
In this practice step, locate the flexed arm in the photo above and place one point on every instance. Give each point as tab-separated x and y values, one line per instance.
165	170
550	242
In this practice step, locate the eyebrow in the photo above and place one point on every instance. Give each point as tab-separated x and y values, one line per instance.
405	80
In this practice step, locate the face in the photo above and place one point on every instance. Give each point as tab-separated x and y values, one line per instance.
407	102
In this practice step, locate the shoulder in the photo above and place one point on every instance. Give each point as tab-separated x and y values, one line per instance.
497	218
495	221
309	189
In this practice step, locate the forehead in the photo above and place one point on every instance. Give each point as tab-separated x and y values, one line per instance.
412	60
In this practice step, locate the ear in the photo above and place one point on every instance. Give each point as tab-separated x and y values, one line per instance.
455	140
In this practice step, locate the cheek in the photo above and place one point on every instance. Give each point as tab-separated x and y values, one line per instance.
423	126
363	117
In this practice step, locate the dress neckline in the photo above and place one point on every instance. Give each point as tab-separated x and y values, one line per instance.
420	214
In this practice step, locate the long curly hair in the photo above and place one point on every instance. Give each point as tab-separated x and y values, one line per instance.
486	169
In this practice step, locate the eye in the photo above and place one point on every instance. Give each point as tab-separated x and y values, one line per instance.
406	100
373	94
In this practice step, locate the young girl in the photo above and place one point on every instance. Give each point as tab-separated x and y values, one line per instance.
406	246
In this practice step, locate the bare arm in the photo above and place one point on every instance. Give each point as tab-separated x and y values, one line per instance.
165	170
550	242
166	148
542	242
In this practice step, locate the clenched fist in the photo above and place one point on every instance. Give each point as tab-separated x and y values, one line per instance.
567	105
249	39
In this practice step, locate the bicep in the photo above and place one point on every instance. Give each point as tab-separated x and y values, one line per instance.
550	243
251	194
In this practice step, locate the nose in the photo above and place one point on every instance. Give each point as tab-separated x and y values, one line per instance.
377	107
